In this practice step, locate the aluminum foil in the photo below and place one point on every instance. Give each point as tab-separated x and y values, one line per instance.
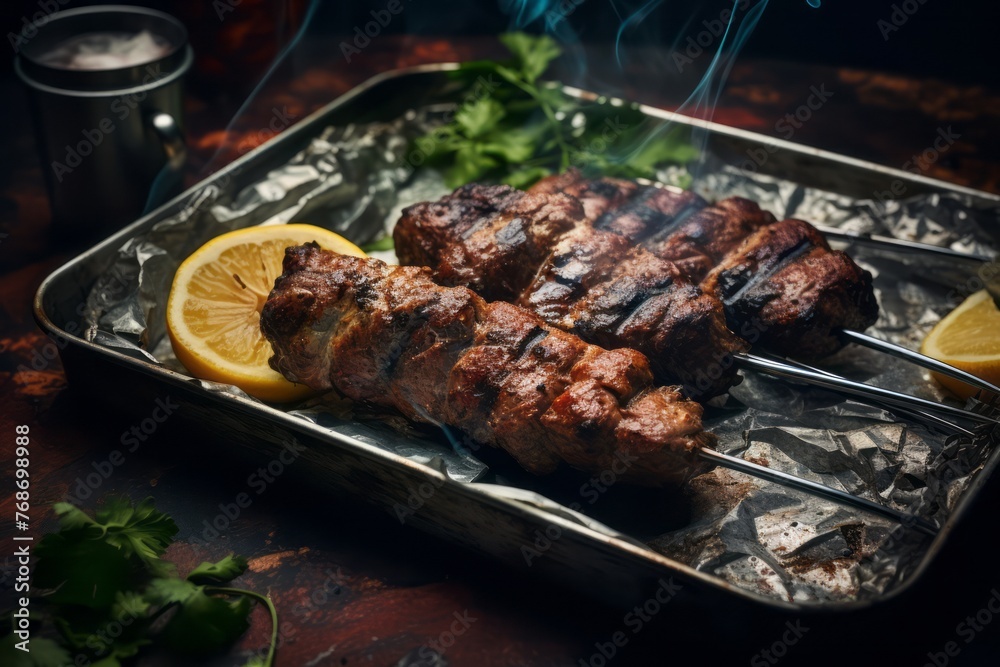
754	534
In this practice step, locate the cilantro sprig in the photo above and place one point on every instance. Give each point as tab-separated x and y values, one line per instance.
106	590
516	129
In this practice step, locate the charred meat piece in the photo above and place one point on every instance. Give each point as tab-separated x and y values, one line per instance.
590	282
489	238
391	337
705	237
611	293
678	226
624	207
787	287
596	195
780	282
648	211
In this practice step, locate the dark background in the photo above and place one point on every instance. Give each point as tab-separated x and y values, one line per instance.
951	40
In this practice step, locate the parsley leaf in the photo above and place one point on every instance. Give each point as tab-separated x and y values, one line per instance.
469	165
533	54
170	590
522	129
480	117
80	570
525	178
106	572
42	653
204	623
384	243
225	570
140	530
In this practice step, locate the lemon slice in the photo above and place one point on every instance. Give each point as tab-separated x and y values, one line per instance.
213	312
968	338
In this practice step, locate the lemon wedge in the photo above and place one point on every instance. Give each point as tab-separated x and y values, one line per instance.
968	338
213	312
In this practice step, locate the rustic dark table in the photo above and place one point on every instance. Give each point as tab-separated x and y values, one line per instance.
353	586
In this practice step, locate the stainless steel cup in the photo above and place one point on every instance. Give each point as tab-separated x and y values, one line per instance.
110	139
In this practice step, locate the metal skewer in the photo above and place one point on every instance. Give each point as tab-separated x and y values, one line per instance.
919	414
917	358
785	479
898	245
843	385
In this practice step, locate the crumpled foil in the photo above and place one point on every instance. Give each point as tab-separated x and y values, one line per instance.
754	534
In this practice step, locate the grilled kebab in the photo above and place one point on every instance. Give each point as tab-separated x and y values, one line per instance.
779	284
538	251
779	280
391	336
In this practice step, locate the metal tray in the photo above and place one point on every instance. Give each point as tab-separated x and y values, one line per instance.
609	567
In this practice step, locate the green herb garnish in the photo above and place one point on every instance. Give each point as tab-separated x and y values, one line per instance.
381	243
516	129
103	585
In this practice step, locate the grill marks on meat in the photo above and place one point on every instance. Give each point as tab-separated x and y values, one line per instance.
780	282
486	238
392	337
708	235
597	196
587	281
794	290
677	226
649	210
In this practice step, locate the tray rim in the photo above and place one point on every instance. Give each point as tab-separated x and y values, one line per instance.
653	558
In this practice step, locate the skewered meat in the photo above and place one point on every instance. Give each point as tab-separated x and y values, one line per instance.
536	250
390	336
798	291
678	226
780	282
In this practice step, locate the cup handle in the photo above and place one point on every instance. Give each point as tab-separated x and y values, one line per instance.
173	139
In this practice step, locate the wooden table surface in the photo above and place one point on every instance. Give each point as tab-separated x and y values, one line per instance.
353	586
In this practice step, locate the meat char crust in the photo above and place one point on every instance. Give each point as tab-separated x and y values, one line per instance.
794	290
391	337
488	238
795	304
591	282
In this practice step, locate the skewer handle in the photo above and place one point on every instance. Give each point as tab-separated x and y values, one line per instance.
843	385
917	358
784	479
